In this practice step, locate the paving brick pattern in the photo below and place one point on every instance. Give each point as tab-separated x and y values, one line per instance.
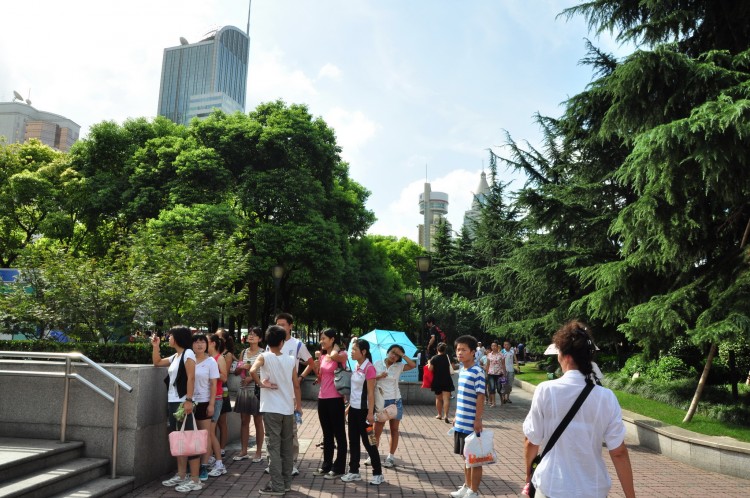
427	467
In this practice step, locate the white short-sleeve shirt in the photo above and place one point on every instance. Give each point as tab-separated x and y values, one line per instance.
174	366
204	371
389	384
574	466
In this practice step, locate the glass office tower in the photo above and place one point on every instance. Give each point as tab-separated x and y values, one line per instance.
199	77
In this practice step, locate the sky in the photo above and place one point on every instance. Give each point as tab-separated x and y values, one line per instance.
416	90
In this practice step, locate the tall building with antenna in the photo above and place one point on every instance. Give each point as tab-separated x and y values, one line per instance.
197	78
433	206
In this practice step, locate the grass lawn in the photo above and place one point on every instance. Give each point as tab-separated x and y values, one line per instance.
656	410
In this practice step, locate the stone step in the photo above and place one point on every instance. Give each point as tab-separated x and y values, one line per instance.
55	479
103	486
19	457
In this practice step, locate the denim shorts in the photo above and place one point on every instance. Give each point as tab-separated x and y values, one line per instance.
217	410
399	407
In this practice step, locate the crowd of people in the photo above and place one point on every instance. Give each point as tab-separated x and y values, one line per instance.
269	394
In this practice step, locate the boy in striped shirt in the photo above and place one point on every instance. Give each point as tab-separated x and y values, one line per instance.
469	410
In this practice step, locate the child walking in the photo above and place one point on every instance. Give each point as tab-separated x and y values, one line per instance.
276	374
469	411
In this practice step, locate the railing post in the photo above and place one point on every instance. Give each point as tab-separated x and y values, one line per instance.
66	394
115	426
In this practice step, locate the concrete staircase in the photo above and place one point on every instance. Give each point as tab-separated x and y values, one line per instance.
39	468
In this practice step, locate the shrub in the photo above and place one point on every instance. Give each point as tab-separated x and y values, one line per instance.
635	364
138	352
668	368
688	352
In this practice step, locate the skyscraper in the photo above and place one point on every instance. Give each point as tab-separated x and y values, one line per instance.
473	215
19	122
210	74
433	206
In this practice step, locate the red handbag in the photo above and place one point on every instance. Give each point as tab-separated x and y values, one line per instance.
427	377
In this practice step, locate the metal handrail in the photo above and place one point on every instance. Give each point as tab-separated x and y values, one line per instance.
68	375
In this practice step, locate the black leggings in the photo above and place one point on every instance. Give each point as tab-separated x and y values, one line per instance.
332	421
358	430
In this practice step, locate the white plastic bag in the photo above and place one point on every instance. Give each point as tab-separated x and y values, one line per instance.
479	449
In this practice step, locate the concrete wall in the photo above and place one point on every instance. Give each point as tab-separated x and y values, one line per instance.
32	407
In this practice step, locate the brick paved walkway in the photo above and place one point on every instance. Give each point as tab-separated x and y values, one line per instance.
427	467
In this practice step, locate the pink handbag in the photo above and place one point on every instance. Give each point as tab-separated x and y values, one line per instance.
386	414
187	443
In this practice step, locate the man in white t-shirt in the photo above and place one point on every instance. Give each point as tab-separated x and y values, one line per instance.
293	347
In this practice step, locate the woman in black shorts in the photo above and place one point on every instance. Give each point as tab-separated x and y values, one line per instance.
442	382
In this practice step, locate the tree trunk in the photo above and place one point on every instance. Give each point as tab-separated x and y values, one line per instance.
711	354
701	385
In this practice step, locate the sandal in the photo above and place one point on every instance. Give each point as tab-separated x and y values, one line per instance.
237	458
439	417
447	420
258	460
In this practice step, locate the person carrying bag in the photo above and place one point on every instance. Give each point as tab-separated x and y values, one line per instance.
188	443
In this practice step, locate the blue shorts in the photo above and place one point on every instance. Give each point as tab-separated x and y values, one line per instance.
217	410
399	407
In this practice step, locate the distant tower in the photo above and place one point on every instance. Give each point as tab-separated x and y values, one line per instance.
434	211
473	215
199	77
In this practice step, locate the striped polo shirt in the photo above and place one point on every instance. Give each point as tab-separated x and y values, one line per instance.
470	384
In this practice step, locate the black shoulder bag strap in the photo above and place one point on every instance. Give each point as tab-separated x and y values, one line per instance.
560	428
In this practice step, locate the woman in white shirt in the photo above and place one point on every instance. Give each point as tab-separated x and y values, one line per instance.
180	391
389	371
206	377
574	466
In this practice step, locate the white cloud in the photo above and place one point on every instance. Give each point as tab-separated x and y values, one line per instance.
270	78
330	71
401	217
353	129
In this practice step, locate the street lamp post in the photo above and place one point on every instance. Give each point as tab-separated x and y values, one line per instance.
424	265
277	272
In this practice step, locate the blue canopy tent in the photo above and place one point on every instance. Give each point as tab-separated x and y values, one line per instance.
380	341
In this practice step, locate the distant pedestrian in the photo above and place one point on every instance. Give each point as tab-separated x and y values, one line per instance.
442	382
511	362
276	374
469	411
362	414
230	360
389	373
495	368
248	398
331	406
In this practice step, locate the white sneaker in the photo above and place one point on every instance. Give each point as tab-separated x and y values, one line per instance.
218	470
368	461
349	477
267	470
189	486
211	460
176	480
471	494
377	480
389	462
462	491
295	471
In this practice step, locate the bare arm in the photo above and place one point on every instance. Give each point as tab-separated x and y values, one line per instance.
222	369
371	400
259	361
530	451
190	370
621	461
156	354
297	391
410	364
